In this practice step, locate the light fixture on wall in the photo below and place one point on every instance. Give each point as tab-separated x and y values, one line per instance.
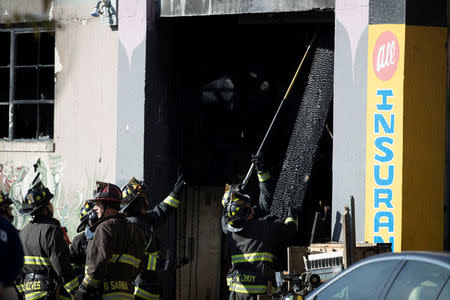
97	10
108	10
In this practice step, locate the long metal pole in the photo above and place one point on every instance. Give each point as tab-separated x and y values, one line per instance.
252	166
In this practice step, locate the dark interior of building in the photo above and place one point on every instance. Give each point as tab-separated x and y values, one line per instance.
215	84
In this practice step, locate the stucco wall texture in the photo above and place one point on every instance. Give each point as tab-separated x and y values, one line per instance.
85	109
23	8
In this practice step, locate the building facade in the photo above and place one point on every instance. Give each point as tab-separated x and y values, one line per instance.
151	89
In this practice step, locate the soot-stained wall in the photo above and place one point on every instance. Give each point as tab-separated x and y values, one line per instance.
170	8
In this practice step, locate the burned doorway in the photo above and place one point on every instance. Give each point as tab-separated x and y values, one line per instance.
214	84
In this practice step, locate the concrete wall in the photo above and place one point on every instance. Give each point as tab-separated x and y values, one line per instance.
85	114
349	123
23	10
131	90
171	8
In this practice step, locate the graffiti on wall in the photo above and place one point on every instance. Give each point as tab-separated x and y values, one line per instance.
11	182
16	179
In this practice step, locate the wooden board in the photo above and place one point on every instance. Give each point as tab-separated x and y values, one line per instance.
295	259
202	236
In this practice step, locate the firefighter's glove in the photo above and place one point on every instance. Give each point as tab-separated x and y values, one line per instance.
291	217
178	188
81	294
237	188
258	161
292	213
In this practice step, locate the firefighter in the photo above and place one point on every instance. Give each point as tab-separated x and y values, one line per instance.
252	239
5	207
47	259
266	186
78	247
114	254
11	251
136	208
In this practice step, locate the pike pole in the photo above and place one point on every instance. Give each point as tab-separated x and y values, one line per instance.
252	166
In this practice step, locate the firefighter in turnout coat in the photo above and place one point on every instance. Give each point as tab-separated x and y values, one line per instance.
115	252
135	206
47	259
5	207
252	236
79	244
11	250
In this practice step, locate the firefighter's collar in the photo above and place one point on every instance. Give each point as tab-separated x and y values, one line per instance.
45	220
103	219
233	229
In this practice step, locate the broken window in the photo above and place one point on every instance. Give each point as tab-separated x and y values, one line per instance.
27	83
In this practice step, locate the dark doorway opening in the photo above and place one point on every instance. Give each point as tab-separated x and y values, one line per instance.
214	84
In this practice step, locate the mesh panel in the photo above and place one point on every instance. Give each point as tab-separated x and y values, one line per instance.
311	118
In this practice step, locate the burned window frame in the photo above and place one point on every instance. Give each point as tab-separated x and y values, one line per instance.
13	67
